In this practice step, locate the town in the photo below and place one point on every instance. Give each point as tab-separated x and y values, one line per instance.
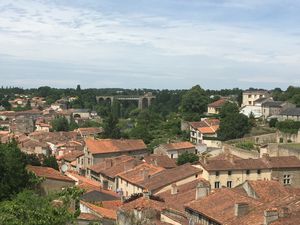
144	156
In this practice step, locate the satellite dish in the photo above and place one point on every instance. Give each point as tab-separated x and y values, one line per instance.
64	168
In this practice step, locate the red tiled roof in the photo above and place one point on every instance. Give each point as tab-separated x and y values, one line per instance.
71	156
161	161
218	104
103	212
88	216
114	145
178	145
261	163
136	175
205	123
168	177
143	203
185	194
48	173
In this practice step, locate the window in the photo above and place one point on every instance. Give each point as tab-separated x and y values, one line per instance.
286	179
249	96
258	172
81	161
229	173
249	102
196	176
217	173
171	156
247	172
126	183
89	161
229	184
217	184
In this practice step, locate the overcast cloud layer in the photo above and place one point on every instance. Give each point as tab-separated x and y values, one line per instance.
150	43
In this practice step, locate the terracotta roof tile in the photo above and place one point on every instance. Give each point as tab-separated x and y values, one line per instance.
261	163
48	173
137	174
178	145
114	145
218	104
72	156
103	212
167	177
161	161
88	216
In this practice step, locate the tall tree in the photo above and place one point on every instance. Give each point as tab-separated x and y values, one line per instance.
111	129
13	174
194	103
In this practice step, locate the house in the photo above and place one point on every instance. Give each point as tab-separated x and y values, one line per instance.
107	170
107	216
128	182
85	132
96	150
70	159
274	108
160	160
250	96
81	114
173	150
290	114
53	179
233	171
40	126
142	209
215	107
164	208
202	129
155	179
251	203
31	146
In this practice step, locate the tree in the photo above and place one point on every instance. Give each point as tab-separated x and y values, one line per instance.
194	103
72	125
187	157
234	125
13	174
28	208
228	108
273	122
32	159
111	130
60	123
50	161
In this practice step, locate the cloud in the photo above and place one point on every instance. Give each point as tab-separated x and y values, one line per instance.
145	44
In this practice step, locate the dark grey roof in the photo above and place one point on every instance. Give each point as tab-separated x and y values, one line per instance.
273	104
261	100
97	196
291	112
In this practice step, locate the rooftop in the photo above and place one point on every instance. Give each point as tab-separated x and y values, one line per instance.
102	146
168	177
177	145
265	162
48	173
161	161
218	104
291	112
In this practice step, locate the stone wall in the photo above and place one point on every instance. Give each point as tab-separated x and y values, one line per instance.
242	153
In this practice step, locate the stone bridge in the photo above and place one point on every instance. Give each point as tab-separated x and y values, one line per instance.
144	101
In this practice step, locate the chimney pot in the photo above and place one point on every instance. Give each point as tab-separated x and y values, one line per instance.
201	191
270	215
174	189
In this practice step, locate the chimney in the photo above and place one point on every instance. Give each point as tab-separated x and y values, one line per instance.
231	159
284	212
270	215
147	194
201	191
174	189
241	209
155	162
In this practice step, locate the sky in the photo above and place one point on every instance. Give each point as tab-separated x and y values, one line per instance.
160	44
